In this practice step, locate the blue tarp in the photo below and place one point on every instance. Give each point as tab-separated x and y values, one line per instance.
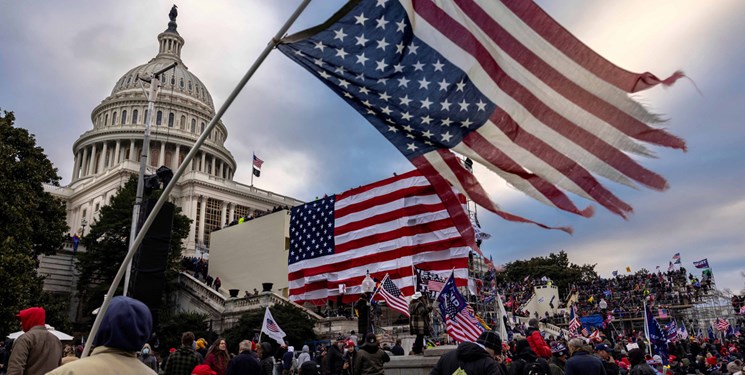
592	321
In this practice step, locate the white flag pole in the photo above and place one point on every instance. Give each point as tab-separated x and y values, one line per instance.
167	191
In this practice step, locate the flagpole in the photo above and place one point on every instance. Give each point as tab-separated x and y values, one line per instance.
182	168
253	168
413	275
646	328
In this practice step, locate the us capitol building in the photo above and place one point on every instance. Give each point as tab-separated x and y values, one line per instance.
109	154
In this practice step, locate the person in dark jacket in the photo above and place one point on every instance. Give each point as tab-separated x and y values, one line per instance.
536	341
473	358
370	359
638	365
245	363
525	358
582	362
183	360
397	349
267	358
335	357
603	352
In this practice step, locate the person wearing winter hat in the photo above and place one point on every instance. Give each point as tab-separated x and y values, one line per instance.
603	352
124	330
473	358
558	361
370	359
350	353
37	350
203	370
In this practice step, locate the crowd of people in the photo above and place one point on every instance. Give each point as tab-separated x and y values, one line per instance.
537	353
255	215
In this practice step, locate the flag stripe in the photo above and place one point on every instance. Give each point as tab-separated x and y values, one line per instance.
561	39
446	165
513	173
386	227
547	117
393	260
584	92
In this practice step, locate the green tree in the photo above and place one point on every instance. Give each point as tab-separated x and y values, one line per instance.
32	222
295	322
172	326
107	244
555	266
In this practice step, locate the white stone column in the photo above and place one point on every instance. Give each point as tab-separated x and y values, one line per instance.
222	166
104	154
202	208
177	156
117	150
203	166
212	170
231	216
223	212
192	213
76	168
92	168
131	150
162	156
84	163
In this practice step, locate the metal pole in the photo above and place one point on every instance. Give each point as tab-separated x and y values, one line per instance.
151	96
167	191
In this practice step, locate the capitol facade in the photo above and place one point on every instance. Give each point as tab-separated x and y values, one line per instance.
108	155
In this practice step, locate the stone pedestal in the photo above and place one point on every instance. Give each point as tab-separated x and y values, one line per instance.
416	364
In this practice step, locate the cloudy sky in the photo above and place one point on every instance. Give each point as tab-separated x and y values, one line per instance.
58	60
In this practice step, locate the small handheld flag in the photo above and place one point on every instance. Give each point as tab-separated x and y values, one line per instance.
271	329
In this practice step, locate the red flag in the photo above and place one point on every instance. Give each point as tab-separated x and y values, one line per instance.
383	227
499	82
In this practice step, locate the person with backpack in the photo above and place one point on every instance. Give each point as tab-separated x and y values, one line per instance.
526	362
581	361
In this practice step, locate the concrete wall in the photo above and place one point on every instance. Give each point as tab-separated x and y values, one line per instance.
248	254
541	298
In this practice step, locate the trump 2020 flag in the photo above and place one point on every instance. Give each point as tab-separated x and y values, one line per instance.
385	227
499	82
271	329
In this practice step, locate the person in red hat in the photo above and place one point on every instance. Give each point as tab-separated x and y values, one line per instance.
37	351
202	370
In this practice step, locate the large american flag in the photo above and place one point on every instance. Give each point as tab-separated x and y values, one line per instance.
460	323
383	227
500	82
393	297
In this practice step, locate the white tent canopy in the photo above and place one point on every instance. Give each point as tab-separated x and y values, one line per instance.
60	335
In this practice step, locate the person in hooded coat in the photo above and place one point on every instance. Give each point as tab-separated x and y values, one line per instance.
473	358
370	359
147	357
123	331
37	351
304	356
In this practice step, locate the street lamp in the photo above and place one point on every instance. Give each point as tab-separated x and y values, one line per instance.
363	305
266	294
83	224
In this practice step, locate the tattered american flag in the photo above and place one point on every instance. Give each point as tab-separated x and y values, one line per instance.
499	82
722	324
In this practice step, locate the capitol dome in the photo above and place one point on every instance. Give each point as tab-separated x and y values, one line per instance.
182	109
